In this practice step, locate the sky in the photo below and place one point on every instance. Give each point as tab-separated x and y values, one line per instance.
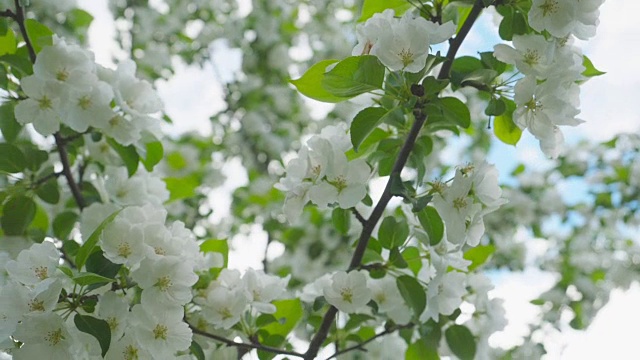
607	104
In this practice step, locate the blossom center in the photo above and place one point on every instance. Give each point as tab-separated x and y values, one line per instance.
549	7
460	203
406	56
45	103
531	57
225	313
164	283
160	332
62	75
112	322
54	337
40	272
347	295
533	105
340	183
84	102
36	305
124	250
130	353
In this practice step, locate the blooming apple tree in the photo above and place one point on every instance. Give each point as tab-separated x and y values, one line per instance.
110	246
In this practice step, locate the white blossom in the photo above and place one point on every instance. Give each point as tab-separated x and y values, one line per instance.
35	264
348	291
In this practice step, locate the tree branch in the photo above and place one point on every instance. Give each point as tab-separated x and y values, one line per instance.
66	170
457	41
230	342
359	216
401	160
361	345
19	17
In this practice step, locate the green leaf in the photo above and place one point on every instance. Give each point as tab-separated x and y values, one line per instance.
219	246
590	70
366	121
413	293
341	219
421	350
433	86
8	43
310	84
411	255
392	232
8	125
289	313
196	350
505	128
181	188
17	214
88	278
371	7
98	264
79	18
63	223
354	75
128	154
432	224
496	107
479	255
39	34
49	191
17	62
461	342
87	248
513	23
97	328
153	155
12	160
455	111
490	62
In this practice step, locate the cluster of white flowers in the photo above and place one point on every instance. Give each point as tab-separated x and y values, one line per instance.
228	297
473	193
323	174
400	43
548	95
68	87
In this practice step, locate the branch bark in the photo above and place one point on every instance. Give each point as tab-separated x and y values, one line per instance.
230	342
401	160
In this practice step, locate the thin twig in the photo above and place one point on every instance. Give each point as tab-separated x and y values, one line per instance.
230	342
358	216
8	14
401	160
44	179
66	170
361	345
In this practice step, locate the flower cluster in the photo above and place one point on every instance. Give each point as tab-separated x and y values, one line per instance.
68	87
322	173
400	43
473	193
227	298
548	95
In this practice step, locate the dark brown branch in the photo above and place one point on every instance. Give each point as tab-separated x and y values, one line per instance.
66	170
230	342
19	17
401	160
8	14
457	41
